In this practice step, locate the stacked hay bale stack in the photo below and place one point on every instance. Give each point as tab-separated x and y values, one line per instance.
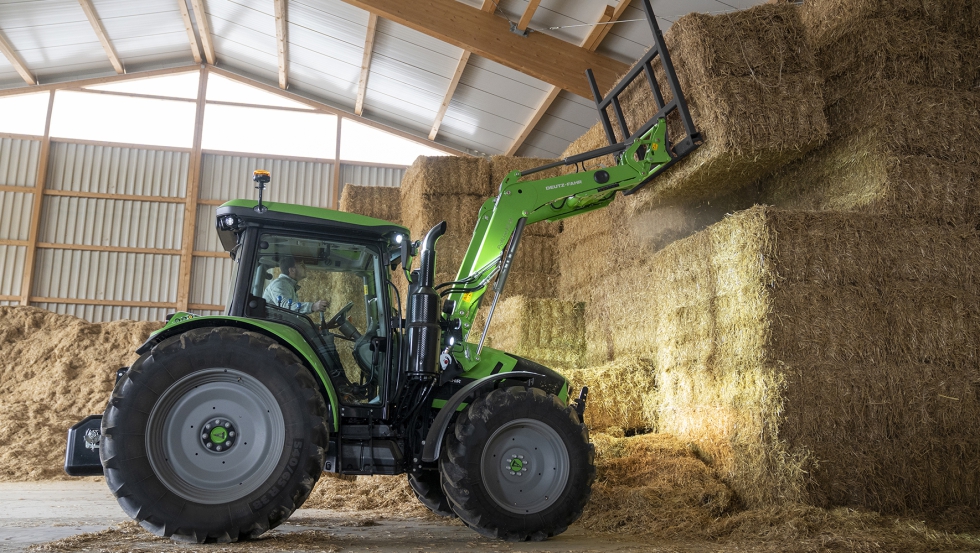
380	202
828	358
903	104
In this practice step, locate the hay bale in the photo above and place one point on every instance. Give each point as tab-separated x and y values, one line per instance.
547	331
854	52
861	174
448	175
622	395
957	16
756	114
816	357
501	165
380	202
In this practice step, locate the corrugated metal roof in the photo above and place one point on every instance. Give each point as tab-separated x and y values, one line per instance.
18	161
118	170
15	215
91	275
119	223
410	71
11	269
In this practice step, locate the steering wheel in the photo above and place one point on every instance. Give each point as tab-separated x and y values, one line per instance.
340	317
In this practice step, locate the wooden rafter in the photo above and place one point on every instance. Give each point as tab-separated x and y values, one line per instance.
372	28
93	18
529	10
15	60
590	43
449	94
539	55
335	197
204	29
280	7
189	27
489	6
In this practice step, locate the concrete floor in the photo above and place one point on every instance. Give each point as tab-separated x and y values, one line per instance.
39	512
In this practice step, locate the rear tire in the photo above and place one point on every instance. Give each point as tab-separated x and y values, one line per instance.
217	434
428	490
518	465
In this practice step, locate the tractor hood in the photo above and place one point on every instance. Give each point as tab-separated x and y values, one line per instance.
235	215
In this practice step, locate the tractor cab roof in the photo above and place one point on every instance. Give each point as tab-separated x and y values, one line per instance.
235	215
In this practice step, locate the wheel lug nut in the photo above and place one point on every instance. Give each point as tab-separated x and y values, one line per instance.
209	446
231	434
227	425
512	473
218	448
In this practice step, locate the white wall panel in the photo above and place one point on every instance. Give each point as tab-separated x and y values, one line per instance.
211	280
373	176
118	170
95	313
15	215
106	276
11	269
101	222
18	161
298	182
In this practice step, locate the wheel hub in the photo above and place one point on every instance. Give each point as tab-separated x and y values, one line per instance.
525	466
219	435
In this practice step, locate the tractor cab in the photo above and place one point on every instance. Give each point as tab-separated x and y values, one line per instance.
324	273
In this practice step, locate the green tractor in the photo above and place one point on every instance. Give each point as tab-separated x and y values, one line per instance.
221	428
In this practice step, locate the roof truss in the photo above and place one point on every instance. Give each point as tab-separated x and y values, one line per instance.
14	58
93	18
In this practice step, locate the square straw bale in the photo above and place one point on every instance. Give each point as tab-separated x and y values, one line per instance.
956	16
905	51
501	165
913	120
789	344
547	331
622	395
380	202
863	174
448	175
420	212
583	252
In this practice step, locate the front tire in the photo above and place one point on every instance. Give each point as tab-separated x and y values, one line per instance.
518	465
428	490
215	435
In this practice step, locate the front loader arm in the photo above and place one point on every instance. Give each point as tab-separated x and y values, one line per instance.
549	199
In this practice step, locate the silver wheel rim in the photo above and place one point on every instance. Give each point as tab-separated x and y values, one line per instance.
525	466
176	440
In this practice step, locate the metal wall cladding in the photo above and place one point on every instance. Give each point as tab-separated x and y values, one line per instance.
211	280
11	269
15	215
226	177
118	170
205	235
18	161
102	222
96	276
95	313
373	176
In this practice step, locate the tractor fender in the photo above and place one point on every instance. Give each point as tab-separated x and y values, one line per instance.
285	335
433	440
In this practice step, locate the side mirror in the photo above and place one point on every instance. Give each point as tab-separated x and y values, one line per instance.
256	307
405	253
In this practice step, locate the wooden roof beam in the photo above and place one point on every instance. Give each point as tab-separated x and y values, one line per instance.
449	94
12	56
189	27
280	6
101	80
488	6
539	55
93	18
372	28
532	6
204	29
590	43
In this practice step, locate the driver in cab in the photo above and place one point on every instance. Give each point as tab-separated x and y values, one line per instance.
282	292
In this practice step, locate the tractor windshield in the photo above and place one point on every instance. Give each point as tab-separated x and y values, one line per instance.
329	291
